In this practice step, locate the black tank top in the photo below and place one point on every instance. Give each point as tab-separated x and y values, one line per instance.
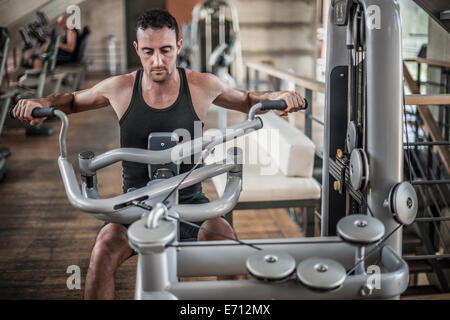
140	119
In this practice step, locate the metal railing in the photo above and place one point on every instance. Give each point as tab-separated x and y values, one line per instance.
293	80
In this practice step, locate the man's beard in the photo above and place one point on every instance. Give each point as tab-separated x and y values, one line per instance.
157	79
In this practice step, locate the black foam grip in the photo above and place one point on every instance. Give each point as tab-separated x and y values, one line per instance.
273	105
43	112
37	112
278	104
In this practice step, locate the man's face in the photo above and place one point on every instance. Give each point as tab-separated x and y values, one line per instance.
158	50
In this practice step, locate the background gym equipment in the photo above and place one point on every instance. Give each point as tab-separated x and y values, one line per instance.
4	44
27	82
214	30
33	83
214	45
363	146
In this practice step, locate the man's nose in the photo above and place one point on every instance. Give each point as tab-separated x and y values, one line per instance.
158	59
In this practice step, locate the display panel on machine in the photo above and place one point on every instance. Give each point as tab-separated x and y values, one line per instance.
342	11
161	141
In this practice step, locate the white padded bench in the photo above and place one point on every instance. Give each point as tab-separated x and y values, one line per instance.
278	162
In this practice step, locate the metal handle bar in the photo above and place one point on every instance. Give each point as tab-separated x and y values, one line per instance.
186	149
177	153
120	202
120	208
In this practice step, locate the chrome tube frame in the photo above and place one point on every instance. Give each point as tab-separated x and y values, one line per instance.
120	209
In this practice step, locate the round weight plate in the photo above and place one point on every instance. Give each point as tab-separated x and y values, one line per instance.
360	228
352	136
138	233
356	170
404	203
321	274
359	169
270	265
366	168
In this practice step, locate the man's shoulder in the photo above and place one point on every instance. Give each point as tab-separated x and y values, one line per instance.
200	79
122	82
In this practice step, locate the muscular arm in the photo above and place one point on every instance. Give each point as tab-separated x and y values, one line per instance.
78	101
88	99
242	100
71	42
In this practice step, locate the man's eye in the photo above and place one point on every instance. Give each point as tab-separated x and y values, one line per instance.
149	53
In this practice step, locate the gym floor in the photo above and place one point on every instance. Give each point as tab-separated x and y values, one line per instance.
41	234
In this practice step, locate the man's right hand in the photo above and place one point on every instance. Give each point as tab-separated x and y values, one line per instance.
24	107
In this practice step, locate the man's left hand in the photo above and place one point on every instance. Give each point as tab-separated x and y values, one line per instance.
294	101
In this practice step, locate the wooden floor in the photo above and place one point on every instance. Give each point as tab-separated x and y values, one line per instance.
41	234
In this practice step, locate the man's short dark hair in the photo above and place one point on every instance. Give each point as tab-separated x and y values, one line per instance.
157	19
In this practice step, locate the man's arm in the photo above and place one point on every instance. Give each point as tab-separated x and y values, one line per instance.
71	41
242	100
88	99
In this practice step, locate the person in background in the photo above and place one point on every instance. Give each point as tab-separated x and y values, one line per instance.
67	45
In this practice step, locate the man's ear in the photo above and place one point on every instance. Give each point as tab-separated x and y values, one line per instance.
136	47
179	45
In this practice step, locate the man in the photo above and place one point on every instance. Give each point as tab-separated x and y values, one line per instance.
157	98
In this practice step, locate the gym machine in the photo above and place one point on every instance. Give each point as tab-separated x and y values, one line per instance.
34	35
215	45
214	35
366	128
31	83
363	146
67	77
304	268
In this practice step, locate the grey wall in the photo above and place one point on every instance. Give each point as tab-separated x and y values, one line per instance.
105	18
283	31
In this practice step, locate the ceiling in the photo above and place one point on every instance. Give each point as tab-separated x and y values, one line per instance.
434	9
